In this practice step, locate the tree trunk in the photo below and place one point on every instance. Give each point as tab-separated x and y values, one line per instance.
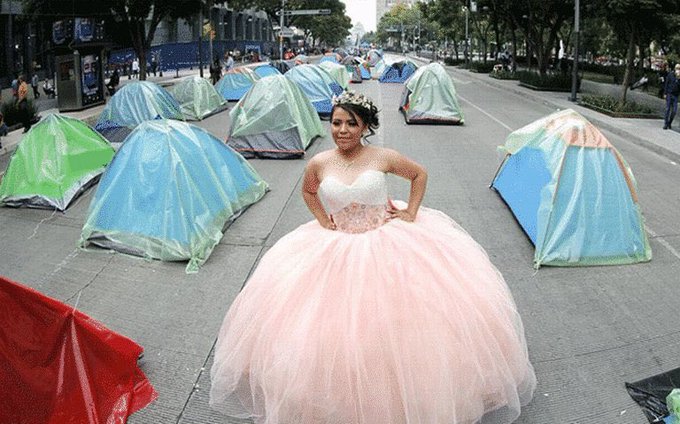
630	58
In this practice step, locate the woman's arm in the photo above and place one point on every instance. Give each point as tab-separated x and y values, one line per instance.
404	167
310	187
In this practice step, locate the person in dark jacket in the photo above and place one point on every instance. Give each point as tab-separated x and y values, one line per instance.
671	92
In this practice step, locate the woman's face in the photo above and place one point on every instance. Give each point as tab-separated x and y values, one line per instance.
346	129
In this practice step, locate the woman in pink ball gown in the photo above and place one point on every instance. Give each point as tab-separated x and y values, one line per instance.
377	312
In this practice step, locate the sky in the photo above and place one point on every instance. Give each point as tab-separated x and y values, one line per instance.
361	11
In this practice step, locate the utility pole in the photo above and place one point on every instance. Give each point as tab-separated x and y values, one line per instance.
200	42
574	75
283	5
467	39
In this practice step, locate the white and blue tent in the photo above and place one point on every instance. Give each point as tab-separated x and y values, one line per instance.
169	193
133	104
572	193
317	84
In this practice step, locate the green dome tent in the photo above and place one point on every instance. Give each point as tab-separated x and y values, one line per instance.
429	97
57	159
274	119
338	72
197	98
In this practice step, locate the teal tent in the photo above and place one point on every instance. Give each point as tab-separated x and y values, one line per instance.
429	97
573	194
197	97
133	104
274	120
169	193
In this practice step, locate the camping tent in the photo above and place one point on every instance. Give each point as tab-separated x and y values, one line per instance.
133	104
572	193
318	86
235	83
354	74
378	69
283	66
338	72
274	119
362	64
373	56
59	158
332	58
266	70
429	97
61	366
398	71
197	97
168	194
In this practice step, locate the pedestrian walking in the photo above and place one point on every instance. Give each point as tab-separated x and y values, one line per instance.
397	316
229	65
215	71
4	129
671	92
135	68
154	64
22	104
34	84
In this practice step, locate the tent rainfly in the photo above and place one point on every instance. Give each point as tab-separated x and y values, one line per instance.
197	98
429	97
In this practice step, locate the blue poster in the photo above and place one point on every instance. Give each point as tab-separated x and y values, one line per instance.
84	30
90	75
58	34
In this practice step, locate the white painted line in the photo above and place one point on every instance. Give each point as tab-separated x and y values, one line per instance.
663	242
501	123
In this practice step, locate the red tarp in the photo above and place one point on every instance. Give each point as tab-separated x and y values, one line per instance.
57	365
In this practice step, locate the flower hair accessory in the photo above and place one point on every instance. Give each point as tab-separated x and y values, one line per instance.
353	98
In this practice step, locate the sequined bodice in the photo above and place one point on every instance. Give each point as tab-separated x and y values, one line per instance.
357	207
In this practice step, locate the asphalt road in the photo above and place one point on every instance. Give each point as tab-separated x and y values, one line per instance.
588	329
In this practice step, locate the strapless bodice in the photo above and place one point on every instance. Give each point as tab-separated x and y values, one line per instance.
357	207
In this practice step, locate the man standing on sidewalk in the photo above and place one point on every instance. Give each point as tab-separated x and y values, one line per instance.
671	92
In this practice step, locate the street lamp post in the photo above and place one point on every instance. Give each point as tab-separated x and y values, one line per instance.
283	5
467	39
574	75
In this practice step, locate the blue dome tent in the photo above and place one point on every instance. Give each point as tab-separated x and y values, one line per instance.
317	84
573	194
235	83
398	72
169	193
133	104
266	70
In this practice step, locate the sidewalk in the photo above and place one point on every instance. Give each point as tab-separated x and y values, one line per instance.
647	133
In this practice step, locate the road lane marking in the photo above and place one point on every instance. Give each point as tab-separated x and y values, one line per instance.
663	242
498	121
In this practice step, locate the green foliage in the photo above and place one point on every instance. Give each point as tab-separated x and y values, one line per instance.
452	61
611	104
481	67
504	75
13	115
330	29
552	82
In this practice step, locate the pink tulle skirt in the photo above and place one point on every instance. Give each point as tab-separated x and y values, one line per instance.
407	323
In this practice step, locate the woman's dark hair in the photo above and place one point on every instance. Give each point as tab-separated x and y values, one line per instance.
369	116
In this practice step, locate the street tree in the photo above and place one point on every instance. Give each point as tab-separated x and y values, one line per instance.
401	19
329	29
450	18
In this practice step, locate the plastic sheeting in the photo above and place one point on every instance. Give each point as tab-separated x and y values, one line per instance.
364	67
197	97
429	97
135	103
168	194
56	161
338	72
235	84
275	105
373	56
573	193
378	69
317	84
330	58
651	394
266	70
57	365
